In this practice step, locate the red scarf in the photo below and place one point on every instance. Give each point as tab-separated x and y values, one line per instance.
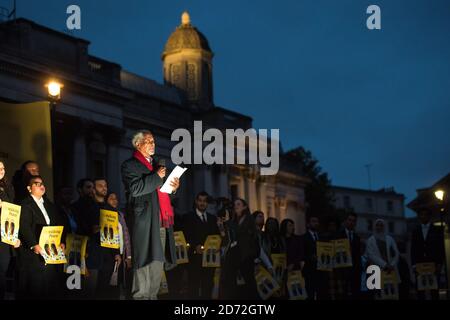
165	207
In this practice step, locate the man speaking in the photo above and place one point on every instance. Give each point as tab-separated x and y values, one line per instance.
152	213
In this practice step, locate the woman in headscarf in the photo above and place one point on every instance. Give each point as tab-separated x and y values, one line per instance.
382	250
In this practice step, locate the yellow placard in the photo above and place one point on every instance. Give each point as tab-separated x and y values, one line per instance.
50	242
26	134
342	253
10	222
109	229
163	287
211	252
265	283
279	265
180	247
325	253
216	281
389	286
76	251
426	276
296	286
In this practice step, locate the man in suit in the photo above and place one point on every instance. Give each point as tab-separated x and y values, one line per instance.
350	278
37	280
197	226
427	245
85	206
315	281
153	216
101	260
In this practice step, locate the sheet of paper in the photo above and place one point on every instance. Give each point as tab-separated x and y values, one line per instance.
176	173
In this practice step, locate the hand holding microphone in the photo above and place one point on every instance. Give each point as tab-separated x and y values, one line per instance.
161	168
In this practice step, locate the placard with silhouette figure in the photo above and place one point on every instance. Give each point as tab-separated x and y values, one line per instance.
325	256
10	222
109	229
426	276
163	287
180	247
342	253
265	283
50	242
296	286
76	251
211	252
279	264
389	287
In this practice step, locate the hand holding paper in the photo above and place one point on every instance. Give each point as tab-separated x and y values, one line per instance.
176	173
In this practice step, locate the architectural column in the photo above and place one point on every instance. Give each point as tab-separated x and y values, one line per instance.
79	158
282	209
242	186
223	183
252	197
208	181
263	197
199	179
113	168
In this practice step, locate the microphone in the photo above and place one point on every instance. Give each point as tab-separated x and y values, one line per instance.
161	163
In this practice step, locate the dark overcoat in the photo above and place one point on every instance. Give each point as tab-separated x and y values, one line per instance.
143	208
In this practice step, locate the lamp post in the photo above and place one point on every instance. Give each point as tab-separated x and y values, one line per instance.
440	195
54	95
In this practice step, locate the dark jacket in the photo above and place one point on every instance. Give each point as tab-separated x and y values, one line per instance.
245	234
84	209
197	231
310	253
143	205
7	195
295	250
429	250
99	257
355	249
31	223
6	191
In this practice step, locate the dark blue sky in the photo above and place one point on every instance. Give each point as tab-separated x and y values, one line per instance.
308	67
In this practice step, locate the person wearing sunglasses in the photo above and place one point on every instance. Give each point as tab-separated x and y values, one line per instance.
37	280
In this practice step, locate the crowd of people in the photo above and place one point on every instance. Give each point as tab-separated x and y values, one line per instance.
147	250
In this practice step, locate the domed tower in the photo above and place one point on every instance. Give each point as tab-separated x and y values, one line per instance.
187	64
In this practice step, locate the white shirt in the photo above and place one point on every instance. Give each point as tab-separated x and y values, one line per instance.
350	234
425	229
201	215
40	204
314	235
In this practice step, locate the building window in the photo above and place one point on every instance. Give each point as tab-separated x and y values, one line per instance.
390	206
346	202
369	225
391	227
369	204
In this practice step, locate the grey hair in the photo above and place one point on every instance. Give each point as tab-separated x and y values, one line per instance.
139	136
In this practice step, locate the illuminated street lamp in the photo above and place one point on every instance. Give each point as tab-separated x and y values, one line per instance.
54	95
54	90
439	194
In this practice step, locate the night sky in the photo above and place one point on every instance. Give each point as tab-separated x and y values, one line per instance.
308	67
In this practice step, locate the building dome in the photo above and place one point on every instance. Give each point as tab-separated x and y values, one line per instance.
185	36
